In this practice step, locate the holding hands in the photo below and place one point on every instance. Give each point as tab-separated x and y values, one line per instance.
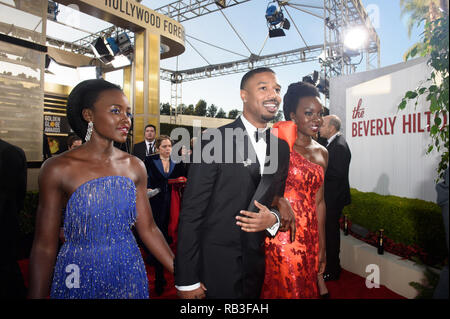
255	222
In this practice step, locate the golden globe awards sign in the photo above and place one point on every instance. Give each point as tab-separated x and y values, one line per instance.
389	146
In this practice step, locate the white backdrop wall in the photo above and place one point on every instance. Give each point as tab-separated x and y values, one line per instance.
389	146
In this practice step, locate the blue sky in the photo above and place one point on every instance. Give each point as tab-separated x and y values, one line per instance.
249	21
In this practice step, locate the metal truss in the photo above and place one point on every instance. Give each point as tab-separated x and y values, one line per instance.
184	10
338	16
300	55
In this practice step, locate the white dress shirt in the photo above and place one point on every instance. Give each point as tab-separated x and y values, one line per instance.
260	146
260	149
149	147
332	138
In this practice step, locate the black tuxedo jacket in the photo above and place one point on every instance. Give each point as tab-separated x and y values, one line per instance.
139	150
13	182
211	248
337	187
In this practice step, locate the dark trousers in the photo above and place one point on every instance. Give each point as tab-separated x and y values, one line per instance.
11	281
333	241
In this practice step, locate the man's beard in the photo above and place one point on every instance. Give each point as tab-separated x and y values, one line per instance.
267	119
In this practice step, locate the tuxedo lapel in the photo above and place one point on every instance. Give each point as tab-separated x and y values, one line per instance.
267	178
245	153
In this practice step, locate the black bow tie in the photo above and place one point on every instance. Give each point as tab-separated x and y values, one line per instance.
261	134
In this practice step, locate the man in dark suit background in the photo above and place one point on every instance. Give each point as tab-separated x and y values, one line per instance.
212	249
337	190
13	183
146	147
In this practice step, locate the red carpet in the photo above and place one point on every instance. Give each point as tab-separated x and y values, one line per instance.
349	286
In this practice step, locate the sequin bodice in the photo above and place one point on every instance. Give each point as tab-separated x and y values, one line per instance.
95	212
100	258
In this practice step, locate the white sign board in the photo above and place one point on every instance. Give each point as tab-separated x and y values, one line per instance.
389	146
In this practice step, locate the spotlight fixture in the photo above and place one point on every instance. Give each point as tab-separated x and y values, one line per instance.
110	49
102	51
221	3
87	72
52	10
320	82
276	21
355	38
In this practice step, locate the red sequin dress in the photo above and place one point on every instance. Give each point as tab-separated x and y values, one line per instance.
291	268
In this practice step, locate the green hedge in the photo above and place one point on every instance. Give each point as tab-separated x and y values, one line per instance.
404	220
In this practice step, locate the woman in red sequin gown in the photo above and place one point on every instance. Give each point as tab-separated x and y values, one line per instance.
295	269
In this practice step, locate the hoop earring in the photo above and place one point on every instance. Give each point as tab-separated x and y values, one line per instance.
89	131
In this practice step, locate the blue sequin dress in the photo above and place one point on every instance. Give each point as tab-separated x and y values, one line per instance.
100	258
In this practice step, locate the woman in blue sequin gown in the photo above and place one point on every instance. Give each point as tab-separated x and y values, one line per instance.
104	192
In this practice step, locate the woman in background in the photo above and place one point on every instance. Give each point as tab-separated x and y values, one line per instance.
161	170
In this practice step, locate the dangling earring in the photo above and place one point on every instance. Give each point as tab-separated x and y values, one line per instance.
293	120
89	131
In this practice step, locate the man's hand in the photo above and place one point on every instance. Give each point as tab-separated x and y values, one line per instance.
287	217
198	293
255	222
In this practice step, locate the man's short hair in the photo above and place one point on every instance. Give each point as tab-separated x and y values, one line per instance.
251	73
150	125
336	122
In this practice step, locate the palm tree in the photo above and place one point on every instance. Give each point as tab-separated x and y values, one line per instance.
419	10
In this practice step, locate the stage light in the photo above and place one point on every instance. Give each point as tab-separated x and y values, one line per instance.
319	81
274	15
355	38
276	20
221	3
324	87
52	10
118	51
50	65
120	61
101	49
88	72
273	33
124	44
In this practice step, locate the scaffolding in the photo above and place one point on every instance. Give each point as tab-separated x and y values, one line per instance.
334	59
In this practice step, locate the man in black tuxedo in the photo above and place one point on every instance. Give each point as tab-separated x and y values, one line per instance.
213	249
146	147
13	183
337	190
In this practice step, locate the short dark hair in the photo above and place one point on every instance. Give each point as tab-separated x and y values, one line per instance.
83	96
251	73
150	125
294	93
335	121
